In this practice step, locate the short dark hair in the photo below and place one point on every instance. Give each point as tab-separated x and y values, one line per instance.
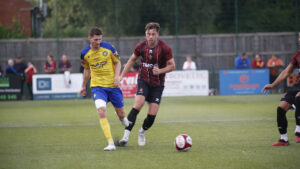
95	31
152	25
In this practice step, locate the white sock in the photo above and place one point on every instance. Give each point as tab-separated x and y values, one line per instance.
142	130
284	137
126	134
297	130
111	143
125	121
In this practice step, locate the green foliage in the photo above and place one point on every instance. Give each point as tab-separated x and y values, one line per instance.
258	16
15	31
75	17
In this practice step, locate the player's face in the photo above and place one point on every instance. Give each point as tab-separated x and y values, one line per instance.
95	41
151	36
299	39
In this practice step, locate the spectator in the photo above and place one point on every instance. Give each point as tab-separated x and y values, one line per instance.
10	70
242	61
1	71
65	67
258	62
30	70
50	65
274	63
189	64
20	67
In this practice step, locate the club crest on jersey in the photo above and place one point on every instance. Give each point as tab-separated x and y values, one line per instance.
105	53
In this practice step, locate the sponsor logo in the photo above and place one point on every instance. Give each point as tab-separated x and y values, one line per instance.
147	65
98	65
43	84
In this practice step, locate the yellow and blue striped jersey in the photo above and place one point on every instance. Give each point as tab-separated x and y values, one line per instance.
101	64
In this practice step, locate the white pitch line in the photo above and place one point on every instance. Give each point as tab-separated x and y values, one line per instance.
117	123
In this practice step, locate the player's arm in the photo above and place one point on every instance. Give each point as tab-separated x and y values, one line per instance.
133	58
86	77
117	73
169	68
282	76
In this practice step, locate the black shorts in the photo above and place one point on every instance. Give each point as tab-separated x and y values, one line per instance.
152	93
291	94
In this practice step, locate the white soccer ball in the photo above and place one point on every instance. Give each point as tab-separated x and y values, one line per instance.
183	142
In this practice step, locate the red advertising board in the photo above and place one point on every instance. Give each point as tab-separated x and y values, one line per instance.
129	84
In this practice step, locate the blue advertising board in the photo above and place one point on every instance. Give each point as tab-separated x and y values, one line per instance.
243	81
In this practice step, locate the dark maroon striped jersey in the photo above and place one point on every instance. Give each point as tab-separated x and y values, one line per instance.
150	57
296	63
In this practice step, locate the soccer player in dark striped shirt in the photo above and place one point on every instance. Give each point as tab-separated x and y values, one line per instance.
156	60
292	97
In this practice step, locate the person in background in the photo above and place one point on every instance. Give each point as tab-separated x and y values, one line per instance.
65	67
10	70
20	67
242	61
189	64
1	71
258	62
50	65
274	63
30	70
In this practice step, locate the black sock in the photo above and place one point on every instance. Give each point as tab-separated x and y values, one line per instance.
297	112
132	118
149	120
281	120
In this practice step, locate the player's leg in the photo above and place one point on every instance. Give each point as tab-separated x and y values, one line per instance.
116	97
100	98
148	122
297	117
139	101
286	103
138	104
154	99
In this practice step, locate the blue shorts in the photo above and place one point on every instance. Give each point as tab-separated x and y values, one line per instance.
113	95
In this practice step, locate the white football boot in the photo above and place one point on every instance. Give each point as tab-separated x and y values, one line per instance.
125	138
141	137
111	147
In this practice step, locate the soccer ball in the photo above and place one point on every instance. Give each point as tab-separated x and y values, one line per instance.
183	142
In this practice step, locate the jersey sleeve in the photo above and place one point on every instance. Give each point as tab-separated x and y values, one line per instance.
115	57
168	53
137	50
84	63
294	59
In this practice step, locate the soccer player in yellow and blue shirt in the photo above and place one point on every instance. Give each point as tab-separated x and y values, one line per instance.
101	62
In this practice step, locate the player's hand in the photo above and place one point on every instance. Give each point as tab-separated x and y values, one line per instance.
267	87
83	91
117	81
156	70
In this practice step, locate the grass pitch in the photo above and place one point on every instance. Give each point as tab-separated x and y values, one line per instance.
228	132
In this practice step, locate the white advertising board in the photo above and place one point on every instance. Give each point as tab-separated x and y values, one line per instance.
53	86
187	83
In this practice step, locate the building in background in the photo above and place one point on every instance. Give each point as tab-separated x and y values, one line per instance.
25	13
